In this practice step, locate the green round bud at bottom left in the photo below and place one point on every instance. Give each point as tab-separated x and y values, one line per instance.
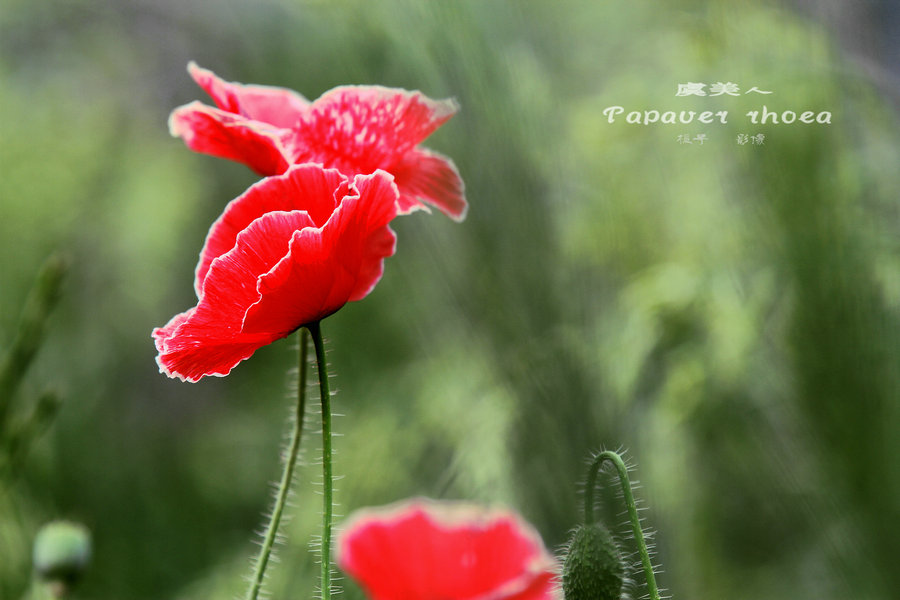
62	551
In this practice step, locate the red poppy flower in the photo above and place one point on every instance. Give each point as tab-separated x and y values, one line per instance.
356	129
446	550
290	251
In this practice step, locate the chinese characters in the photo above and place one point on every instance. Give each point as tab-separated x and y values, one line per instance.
715	89
756	140
742	139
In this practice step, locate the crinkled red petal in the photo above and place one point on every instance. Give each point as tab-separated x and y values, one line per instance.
355	129
329	266
280	107
223	134
379	245
198	351
304	187
427	177
282	271
359	129
448	551
208	339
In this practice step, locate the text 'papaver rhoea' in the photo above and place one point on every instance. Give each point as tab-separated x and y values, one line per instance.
290	251
355	129
446	550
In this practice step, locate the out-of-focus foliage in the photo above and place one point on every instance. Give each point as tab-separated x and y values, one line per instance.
729	313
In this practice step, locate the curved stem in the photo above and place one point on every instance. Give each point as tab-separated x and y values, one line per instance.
327	476
614	458
287	475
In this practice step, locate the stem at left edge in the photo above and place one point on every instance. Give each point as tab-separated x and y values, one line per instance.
327	475
265	552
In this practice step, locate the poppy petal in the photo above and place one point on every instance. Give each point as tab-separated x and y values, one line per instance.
280	107
379	245
329	266
377	204
358	129
426	176
226	135
304	187
453	551
355	129
208	339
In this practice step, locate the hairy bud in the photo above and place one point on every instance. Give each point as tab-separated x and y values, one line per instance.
593	569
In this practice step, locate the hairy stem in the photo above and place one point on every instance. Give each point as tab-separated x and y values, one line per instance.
265	552
327	475
622	470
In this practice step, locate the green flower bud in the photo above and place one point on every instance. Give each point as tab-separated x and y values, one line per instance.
593	568
62	550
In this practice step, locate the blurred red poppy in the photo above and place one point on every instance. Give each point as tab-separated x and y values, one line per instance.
355	129
290	251
446	550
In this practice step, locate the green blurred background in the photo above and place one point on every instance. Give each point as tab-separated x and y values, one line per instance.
727	313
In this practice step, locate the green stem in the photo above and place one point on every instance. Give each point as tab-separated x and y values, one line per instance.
616	459
287	475
327	475
30	333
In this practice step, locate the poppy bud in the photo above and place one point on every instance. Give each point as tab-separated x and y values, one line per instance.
593	568
62	550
